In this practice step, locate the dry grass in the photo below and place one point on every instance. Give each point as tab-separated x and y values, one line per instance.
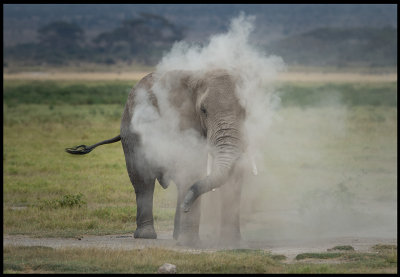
76	76
336	77
137	75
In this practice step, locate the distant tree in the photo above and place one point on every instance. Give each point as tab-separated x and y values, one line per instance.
61	35
143	38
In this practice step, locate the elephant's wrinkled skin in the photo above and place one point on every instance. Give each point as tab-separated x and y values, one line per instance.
206	102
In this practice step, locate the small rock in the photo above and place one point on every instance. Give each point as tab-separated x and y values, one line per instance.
167	268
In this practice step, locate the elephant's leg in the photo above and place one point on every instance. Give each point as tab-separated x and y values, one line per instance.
144	214
230	211
143	182
177	218
186	225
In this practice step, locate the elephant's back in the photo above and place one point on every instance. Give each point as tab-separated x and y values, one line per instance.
143	86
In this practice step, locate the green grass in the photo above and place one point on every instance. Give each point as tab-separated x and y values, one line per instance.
342	248
385	248
318	256
44	181
48	260
66	92
135	261
344	94
372	259
115	92
68	200
73	118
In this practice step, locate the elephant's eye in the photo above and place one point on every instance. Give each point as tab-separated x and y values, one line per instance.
203	110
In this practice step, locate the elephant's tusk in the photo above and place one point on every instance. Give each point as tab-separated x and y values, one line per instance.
253	164
254	167
209	164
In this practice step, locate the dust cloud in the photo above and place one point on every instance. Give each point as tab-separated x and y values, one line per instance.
172	149
314	178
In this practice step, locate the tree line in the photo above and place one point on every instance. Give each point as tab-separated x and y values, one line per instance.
144	38
340	47
141	39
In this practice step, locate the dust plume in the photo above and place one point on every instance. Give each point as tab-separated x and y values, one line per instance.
307	185
171	149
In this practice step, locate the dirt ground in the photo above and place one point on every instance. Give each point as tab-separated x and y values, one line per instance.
289	248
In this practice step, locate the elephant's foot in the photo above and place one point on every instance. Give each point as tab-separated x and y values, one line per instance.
189	241
145	232
237	244
230	240
229	244
175	234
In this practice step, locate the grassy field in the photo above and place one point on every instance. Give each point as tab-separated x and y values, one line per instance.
48	193
49	260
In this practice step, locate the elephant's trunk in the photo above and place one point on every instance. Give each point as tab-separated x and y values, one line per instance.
228	147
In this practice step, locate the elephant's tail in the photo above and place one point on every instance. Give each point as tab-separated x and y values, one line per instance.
83	149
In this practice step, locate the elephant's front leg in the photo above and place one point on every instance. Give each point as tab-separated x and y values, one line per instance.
230	211
186	224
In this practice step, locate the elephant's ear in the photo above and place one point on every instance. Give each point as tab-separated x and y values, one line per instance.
174	79
182	79
193	80
197	87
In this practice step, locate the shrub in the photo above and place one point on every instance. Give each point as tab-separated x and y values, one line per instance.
67	201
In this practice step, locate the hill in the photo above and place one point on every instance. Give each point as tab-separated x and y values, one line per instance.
306	34
339	47
273	21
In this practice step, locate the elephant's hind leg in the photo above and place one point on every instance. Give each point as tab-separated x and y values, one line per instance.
143	182
144	202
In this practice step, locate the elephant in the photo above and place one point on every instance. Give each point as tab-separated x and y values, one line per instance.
206	102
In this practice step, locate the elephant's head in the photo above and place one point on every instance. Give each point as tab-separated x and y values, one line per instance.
221	118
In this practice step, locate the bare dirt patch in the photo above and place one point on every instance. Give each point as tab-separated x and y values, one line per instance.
336	77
